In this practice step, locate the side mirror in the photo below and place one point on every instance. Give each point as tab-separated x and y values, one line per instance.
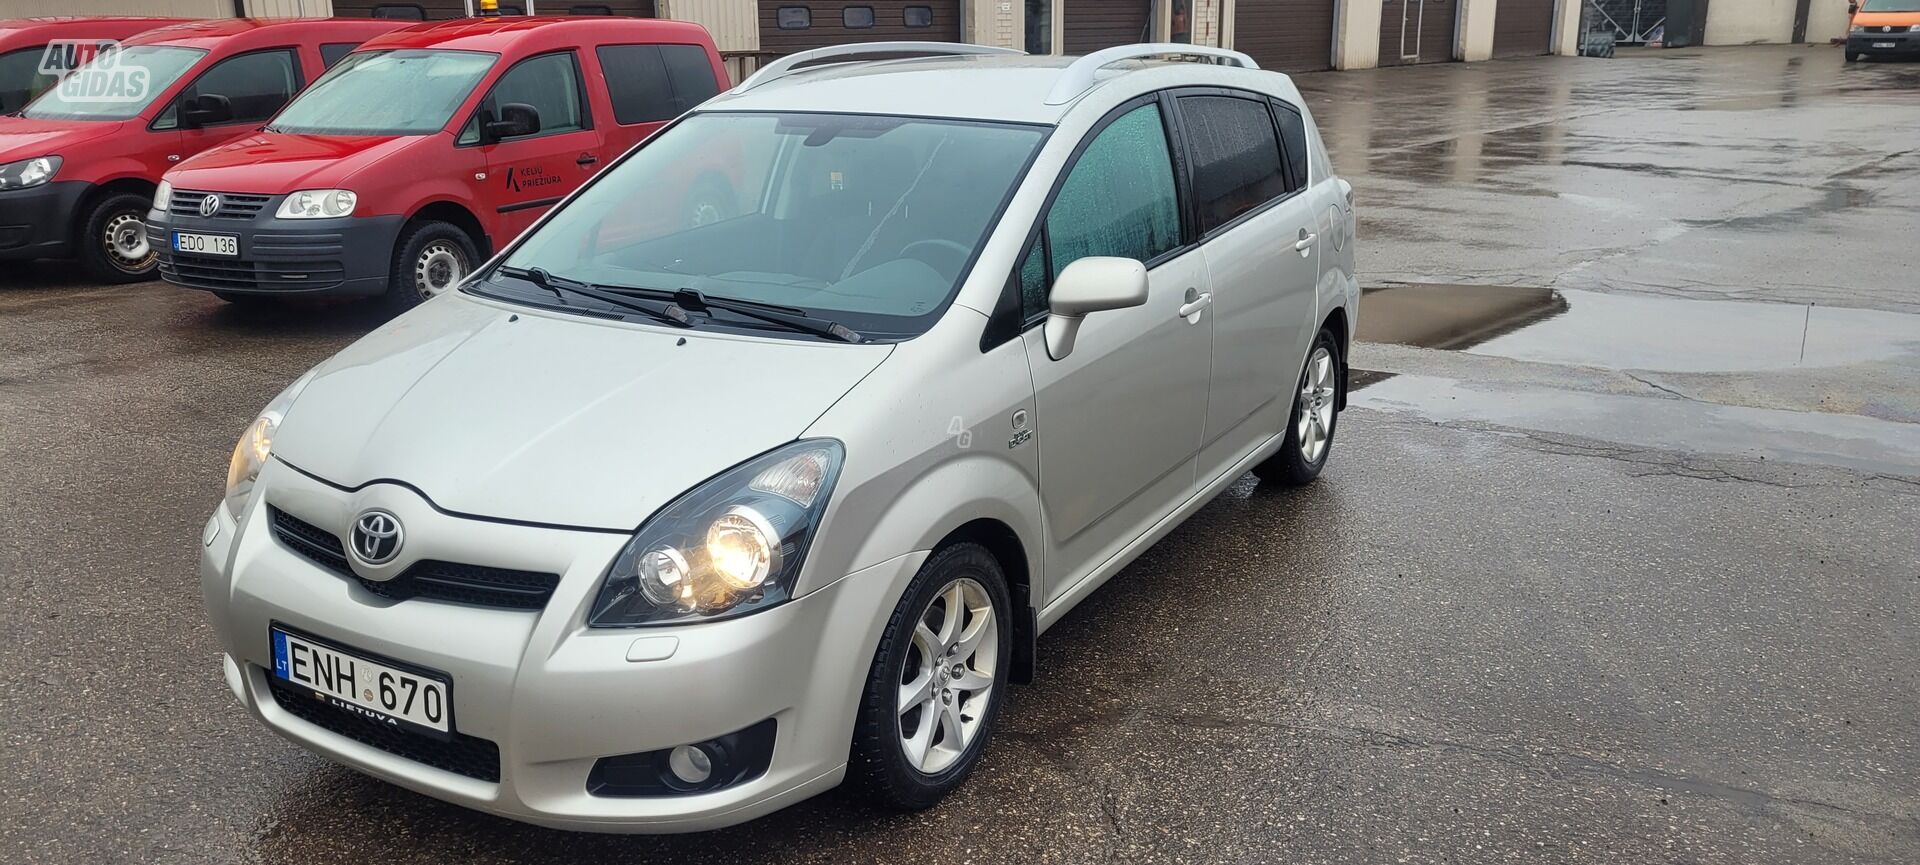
1091	284
516	119
206	109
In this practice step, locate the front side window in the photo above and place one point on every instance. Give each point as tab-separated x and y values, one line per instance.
1119	197
387	93
255	85
127	82
1236	156
868	221
550	85
333	52
20	78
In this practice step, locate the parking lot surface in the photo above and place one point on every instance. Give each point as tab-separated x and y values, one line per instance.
1615	561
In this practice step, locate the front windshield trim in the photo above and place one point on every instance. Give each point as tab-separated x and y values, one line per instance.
901	328
1886	6
155	96
341	68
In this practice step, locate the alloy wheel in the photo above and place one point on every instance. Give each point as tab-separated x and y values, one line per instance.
1314	425
947	685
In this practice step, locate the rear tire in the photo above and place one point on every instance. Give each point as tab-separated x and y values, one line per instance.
949	670
1310	426
430	257
113	239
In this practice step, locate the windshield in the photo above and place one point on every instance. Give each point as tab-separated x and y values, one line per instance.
20	78
1890	6
386	93
117	85
863	220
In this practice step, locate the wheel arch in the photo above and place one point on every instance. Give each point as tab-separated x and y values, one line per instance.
454	213
1003	543
1338	323
127	184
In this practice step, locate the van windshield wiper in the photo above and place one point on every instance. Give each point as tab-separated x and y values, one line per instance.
671	313
785	316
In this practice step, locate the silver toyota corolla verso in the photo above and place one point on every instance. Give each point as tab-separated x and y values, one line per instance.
761	463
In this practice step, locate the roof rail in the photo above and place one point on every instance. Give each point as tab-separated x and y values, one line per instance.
1079	77
785	66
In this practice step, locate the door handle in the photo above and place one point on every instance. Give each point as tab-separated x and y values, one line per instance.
1306	240
1192	307
585	160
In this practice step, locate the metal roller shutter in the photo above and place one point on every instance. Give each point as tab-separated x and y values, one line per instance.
1417	31
1522	28
1287	35
827	23
1090	25
429	10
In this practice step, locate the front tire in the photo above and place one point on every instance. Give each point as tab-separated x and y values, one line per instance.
1853	57
1310	428
938	677
431	257
113	239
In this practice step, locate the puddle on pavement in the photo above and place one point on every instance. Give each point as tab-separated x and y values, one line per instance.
1640	332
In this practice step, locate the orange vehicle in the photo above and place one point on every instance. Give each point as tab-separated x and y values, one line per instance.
1884	28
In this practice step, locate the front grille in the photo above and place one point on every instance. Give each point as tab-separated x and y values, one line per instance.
225	274
477	585
233	205
466	755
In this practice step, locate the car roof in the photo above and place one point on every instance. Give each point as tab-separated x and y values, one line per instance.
1004	87
512	33
209	32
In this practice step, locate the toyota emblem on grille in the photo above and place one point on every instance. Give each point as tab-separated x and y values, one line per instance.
210	205
376	537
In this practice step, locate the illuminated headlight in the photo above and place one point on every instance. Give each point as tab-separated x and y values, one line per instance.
255	445
732	545
318	204
28	172
163	196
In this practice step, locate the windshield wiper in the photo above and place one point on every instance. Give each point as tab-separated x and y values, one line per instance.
785	316
670	313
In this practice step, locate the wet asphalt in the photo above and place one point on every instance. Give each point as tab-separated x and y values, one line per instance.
1616	560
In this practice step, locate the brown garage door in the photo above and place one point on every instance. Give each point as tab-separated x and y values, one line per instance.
1288	35
1417	31
1522	28
788	27
1090	25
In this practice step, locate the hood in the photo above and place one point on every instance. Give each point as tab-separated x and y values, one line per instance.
21	138
1883	19
555	419
274	162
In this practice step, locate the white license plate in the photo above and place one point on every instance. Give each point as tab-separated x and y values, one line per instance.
206	244
1883	44
365	687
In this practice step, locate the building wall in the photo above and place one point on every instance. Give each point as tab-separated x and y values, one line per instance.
1476	30
1566	28
174	8
999	23
1827	20
1745	22
1356	34
290	8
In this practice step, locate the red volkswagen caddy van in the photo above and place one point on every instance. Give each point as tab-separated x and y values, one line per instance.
399	171
81	162
28	70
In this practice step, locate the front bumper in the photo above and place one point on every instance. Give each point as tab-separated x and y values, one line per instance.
553	695
1902	44
38	222
280	257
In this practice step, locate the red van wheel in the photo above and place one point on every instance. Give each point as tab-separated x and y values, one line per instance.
431	257
113	244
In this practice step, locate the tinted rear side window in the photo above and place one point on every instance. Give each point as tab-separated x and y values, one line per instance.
331	52
1293	133
651	83
1236	156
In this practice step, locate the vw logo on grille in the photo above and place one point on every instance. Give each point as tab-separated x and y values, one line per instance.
376	537
210	205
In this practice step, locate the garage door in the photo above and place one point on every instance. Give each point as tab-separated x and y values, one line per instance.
1288	35
789	27
1417	31
1522	28
1090	25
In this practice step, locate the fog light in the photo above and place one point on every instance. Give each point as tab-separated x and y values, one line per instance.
690	764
